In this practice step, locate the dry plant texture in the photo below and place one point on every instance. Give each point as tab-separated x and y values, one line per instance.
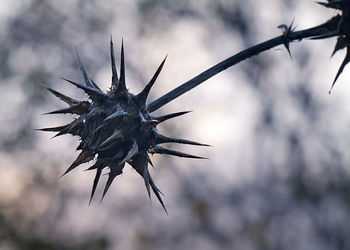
277	174
116	127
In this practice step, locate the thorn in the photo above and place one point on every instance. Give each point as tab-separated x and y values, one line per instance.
83	71
97	178
53	129
342	66
114	68
156	191
142	96
334	4
76	124
63	97
93	93
163	150
122	86
140	164
341	44
146	177
149	161
116	114
81	108
95	84
98	164
117	134
58	134
64	130
115	171
323	4
59	111
95	166
133	151
164	139
83	157
286	32
170	116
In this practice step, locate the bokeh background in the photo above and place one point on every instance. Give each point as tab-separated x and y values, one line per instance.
278	173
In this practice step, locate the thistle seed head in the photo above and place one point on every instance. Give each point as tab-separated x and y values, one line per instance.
115	127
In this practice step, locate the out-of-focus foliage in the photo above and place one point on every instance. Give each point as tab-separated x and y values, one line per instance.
278	177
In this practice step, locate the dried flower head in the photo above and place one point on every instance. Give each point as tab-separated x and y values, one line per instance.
116	127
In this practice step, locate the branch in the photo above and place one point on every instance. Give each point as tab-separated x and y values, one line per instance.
325	30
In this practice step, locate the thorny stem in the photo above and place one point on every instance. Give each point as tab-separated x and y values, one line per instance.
327	29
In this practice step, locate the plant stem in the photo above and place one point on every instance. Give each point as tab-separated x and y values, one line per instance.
322	30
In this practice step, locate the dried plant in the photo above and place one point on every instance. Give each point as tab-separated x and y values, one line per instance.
117	127
342	31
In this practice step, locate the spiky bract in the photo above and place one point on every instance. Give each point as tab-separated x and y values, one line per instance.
286	32
115	128
342	31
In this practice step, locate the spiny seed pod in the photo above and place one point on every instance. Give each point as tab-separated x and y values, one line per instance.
116	127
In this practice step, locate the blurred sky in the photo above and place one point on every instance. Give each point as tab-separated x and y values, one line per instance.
251	114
